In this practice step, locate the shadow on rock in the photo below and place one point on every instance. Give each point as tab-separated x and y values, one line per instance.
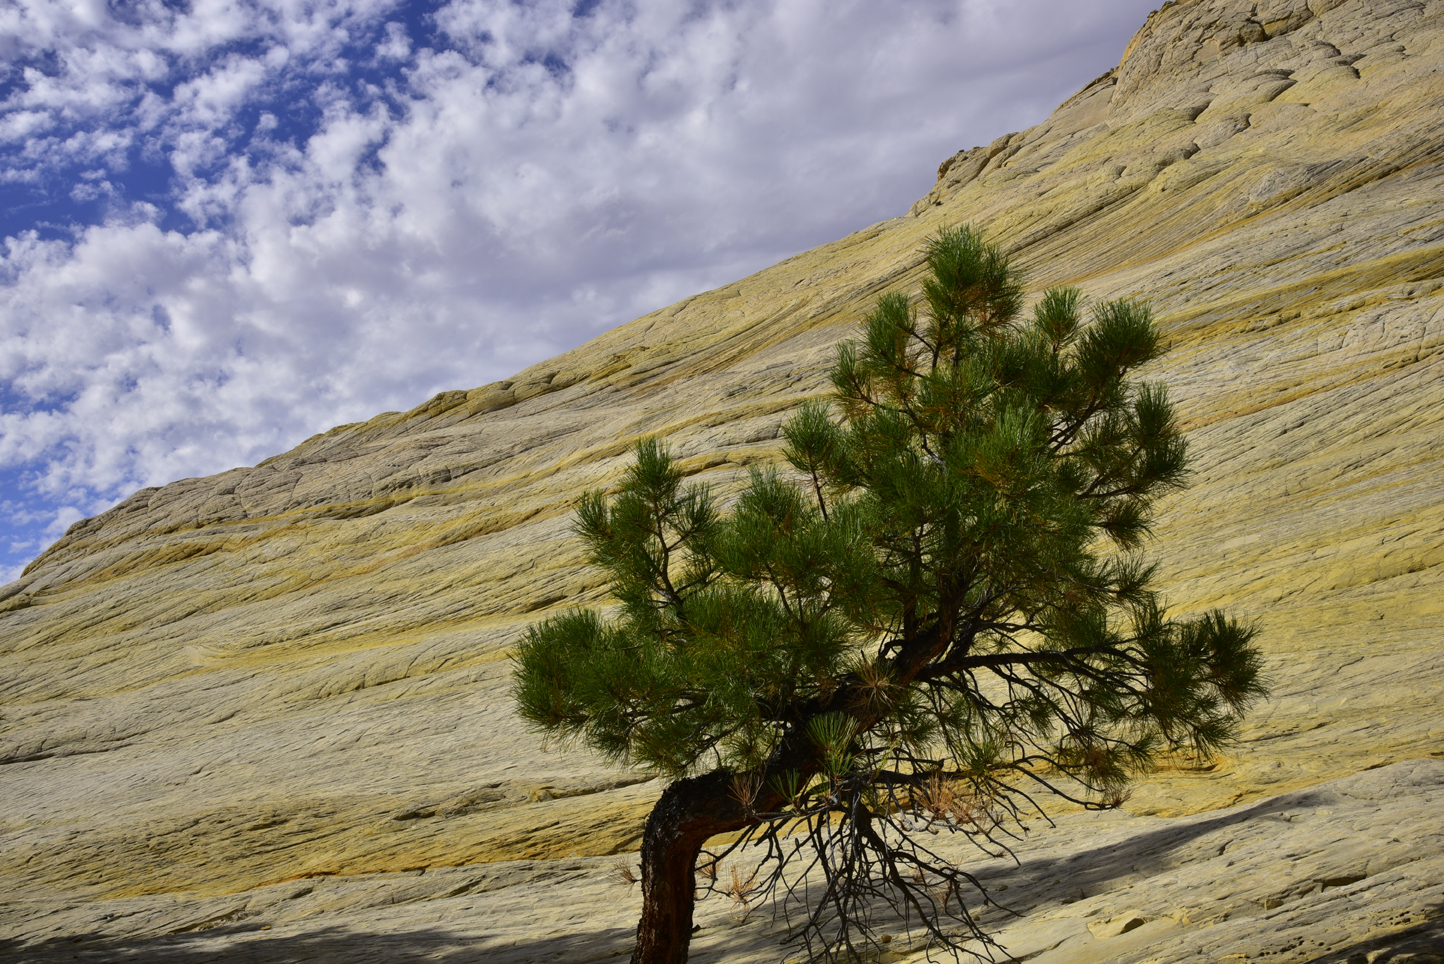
1087	872
1421	944
241	945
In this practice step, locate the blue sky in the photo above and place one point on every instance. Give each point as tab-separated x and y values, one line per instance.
227	225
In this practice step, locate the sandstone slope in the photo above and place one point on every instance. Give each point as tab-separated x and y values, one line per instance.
297	671
1345	872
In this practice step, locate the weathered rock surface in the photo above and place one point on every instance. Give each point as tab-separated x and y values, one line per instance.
1350	870
229	690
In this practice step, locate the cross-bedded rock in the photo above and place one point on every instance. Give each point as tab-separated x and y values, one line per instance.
295	675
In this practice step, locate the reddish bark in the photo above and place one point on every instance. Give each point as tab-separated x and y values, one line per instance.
691	811
687	814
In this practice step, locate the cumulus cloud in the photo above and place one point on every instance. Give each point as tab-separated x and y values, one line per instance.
238	222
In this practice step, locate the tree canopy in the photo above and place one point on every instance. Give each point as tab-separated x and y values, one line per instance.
934	615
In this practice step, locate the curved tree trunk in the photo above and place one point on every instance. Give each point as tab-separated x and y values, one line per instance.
689	812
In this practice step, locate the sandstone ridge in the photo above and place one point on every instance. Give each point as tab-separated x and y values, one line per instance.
276	697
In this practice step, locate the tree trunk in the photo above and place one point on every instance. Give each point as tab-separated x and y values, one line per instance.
689	812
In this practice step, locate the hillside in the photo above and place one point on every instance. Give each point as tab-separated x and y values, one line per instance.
276	697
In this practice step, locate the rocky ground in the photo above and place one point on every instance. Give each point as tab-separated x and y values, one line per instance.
277	696
1348	871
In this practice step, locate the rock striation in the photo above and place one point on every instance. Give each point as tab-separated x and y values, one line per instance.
276	697
1347	871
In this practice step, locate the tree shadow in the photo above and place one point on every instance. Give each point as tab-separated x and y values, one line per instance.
1406	945
1146	852
1036	883
326	945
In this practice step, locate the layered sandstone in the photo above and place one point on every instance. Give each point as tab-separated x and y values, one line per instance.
1348	871
230	690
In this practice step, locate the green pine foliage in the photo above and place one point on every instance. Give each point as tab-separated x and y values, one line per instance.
943	587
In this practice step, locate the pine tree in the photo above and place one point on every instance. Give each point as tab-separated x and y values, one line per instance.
935	618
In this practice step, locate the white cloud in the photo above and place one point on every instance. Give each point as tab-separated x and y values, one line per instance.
353	213
64	518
